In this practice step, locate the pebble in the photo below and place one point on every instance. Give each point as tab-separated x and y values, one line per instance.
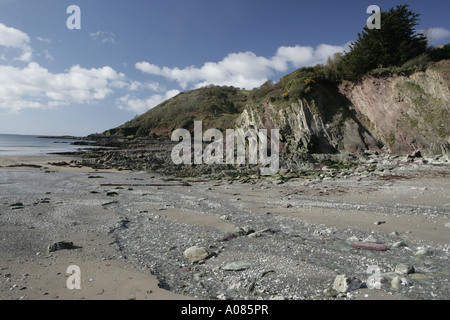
404	269
237	266
62	245
422	251
399	244
196	253
352	239
343	284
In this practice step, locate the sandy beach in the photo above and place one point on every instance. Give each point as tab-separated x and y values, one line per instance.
130	231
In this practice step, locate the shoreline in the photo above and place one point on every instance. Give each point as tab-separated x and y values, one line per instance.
42	275
131	244
47	162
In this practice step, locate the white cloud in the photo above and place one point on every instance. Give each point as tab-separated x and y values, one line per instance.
36	87
16	39
244	69
436	35
104	36
41	39
140	106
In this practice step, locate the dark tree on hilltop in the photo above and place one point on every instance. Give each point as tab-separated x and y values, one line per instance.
394	44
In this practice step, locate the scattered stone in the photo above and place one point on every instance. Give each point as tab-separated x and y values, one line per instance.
237	266
17	204
399	244
62	245
343	284
395	283
369	246
288	205
260	233
422	251
404	269
243	231
447	224
195	254
352	239
394	234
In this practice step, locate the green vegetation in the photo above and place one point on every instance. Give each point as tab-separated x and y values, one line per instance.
216	106
391	46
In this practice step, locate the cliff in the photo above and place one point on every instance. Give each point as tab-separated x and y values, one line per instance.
396	114
406	113
319	118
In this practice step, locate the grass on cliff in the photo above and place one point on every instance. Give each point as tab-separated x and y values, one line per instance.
216	106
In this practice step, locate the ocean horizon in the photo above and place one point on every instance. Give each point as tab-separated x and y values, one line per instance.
35	145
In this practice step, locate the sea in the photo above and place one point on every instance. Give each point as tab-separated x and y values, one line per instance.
26	145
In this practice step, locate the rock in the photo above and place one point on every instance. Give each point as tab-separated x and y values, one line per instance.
371	239
112	194
62	245
237	266
399	244
395	283
447	224
243	231
352	239
343	284
260	233
377	223
369	246
17	204
422	251
196	253
404	269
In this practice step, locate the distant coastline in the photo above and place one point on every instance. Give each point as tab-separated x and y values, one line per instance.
41	145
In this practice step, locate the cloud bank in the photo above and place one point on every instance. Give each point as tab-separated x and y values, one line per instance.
244	69
36	87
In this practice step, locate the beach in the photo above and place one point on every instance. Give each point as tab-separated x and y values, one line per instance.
263	239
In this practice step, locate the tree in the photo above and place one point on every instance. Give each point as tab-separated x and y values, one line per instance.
392	45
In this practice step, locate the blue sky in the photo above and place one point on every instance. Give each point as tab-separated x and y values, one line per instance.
131	55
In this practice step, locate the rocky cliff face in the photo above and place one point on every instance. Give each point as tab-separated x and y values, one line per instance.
398	114
406	113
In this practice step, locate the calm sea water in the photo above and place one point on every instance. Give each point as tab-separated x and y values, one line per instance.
21	145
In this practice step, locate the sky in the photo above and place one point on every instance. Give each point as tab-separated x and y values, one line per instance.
60	75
